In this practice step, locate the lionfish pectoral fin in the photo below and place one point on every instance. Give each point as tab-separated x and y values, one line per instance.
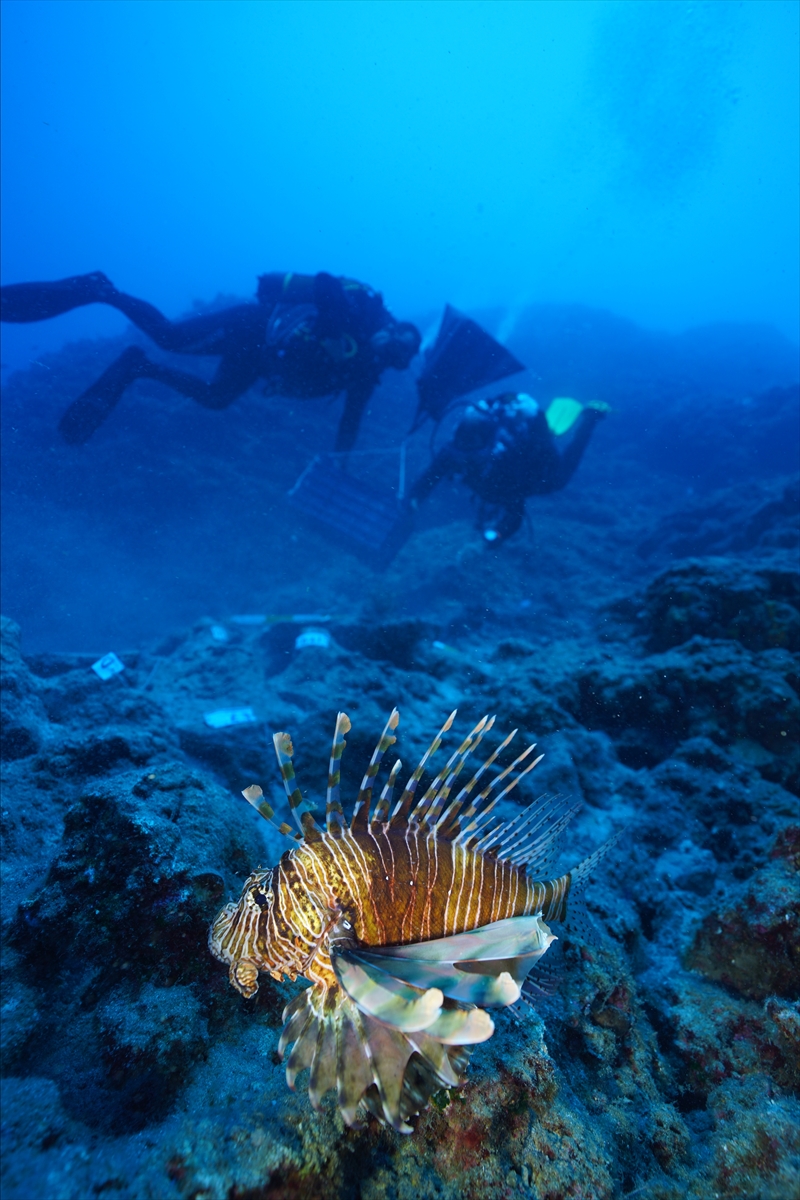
323	1067
462	1027
518	967
296	1016
303	1051
509	938
381	995
388	1051
446	1065
454	984
374	1066
353	1067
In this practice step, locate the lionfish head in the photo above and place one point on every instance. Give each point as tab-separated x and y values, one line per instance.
233	936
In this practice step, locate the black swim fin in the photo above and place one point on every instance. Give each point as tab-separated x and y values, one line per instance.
21	303
87	413
464	357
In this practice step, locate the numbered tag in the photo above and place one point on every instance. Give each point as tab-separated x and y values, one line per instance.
108	666
313	637
221	718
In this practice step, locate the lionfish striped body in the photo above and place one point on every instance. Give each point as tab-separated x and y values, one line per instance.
408	922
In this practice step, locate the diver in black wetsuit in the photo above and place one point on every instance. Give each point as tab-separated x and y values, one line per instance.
307	336
504	451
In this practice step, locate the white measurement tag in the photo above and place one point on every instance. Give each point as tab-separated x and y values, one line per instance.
108	666
219	633
313	637
221	718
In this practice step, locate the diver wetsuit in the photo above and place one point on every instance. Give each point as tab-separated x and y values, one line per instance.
504	451
307	336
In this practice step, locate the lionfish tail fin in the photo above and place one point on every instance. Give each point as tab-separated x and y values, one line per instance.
374	1066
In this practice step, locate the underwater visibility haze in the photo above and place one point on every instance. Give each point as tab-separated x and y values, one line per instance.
401	367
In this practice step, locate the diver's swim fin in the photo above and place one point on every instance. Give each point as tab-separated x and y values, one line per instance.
464	357
87	413
21	303
562	413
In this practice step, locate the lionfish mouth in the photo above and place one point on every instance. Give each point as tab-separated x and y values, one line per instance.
450	905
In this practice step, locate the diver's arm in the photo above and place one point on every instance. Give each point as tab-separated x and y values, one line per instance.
510	520
443	466
572	455
355	402
331	302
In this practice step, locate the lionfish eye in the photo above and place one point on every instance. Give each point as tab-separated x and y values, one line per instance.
262	899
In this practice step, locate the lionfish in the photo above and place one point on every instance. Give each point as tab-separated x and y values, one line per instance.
408	921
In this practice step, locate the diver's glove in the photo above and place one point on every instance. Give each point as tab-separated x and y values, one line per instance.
598	407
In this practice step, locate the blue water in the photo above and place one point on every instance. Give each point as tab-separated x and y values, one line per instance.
611	189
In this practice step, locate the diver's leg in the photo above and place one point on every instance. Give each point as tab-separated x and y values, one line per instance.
235	374
21	303
87	413
229	331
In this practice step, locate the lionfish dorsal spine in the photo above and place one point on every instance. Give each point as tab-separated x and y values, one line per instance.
284	752
536	849
403	807
485	840
446	826
381	811
255	796
431	804
439	814
334	815
476	828
361	809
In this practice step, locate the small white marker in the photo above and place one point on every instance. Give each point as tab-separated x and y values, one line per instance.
221	718
108	666
313	637
219	633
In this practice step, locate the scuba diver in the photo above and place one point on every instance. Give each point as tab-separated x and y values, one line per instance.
505	449
306	336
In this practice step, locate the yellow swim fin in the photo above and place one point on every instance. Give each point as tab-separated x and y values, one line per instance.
562	414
